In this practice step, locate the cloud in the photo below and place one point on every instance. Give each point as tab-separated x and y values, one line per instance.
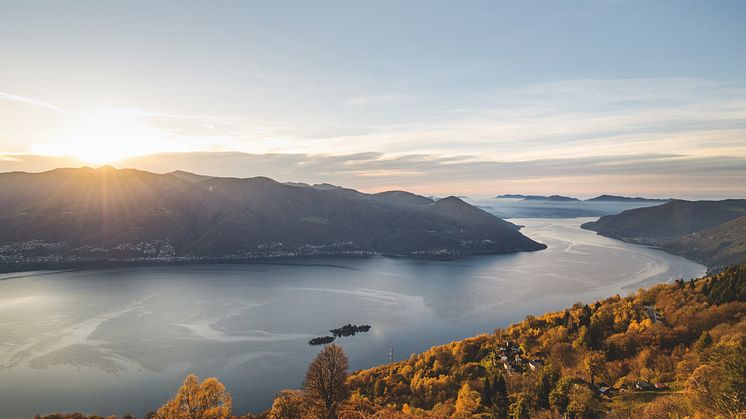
646	174
34	102
678	137
378	99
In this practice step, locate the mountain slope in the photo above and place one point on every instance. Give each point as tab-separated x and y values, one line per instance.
551	198
719	246
109	214
670	220
617	198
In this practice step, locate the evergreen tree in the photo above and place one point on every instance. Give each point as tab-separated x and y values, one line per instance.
546	380
500	391
520	409
488	395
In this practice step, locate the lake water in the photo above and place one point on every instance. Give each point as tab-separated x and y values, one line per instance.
121	340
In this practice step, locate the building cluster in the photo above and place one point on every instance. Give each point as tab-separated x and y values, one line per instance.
514	361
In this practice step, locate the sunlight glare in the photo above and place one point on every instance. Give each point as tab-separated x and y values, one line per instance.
107	136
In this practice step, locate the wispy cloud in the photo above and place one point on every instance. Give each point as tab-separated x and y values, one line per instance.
642	174
682	136
34	102
378	99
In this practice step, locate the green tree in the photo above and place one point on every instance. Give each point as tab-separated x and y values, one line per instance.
559	397
501	401
488	395
545	382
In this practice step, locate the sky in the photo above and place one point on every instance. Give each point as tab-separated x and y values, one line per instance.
461	98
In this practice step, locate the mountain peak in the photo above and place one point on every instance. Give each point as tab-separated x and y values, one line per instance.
452	200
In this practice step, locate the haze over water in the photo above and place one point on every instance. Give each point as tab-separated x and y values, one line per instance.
121	340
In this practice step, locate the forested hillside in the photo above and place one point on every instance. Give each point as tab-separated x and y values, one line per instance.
710	232
87	217
676	349
718	246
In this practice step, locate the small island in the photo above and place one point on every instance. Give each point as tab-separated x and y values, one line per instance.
346	330
323	340
349	330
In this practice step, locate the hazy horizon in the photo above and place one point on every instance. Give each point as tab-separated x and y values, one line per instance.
581	98
384	189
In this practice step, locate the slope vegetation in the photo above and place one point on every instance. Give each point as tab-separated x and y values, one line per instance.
107	214
710	232
721	245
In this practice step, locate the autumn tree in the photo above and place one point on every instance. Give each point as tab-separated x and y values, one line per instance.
325	380
595	364
563	355
290	404
720	386
467	402
195	400
582	403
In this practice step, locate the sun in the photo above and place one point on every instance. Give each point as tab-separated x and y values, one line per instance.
105	137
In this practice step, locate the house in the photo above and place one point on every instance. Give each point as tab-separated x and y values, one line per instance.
644	386
607	391
661	386
510	369
535	364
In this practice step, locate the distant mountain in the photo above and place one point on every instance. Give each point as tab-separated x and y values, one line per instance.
109	215
511	196
670	220
718	246
616	198
539	206
188	176
706	231
551	198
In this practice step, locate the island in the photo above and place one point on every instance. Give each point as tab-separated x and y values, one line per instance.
322	340
350	330
346	330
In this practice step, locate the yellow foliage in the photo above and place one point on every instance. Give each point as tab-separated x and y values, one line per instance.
195	400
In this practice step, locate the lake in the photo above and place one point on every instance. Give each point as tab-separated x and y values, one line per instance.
121	341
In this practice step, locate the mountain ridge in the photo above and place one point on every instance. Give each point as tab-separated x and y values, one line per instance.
619	198
693	229
116	215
